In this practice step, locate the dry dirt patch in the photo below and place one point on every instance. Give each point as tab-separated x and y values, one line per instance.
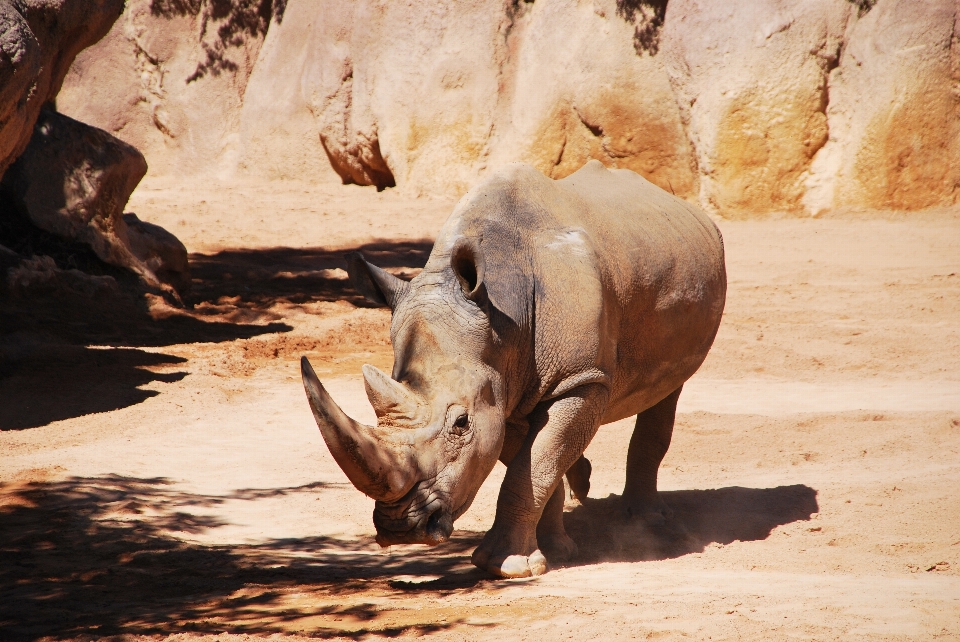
162	475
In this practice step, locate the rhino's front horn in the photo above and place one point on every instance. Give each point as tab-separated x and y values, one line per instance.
376	467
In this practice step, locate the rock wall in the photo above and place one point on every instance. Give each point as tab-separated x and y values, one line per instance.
170	79
751	82
894	111
746	106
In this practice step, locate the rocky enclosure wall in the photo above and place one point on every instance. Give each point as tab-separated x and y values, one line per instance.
744	106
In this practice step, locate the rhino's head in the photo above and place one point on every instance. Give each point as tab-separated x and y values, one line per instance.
440	418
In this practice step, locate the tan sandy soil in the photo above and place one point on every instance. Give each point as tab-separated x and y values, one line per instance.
162	475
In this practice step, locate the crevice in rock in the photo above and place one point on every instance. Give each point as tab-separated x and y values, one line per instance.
820	177
596	130
648	17
863	6
563	148
238	21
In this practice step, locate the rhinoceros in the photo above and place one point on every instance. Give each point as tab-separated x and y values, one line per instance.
546	309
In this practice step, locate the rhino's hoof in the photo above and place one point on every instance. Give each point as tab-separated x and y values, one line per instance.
522	565
511	565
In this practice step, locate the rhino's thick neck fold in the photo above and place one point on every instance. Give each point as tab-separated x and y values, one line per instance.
378	468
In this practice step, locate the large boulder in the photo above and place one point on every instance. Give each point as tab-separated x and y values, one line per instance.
39	40
74	180
410	93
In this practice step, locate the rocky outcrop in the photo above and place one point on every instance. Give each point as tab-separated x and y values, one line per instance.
159	252
746	106
751	82
74	180
39	40
894	111
432	97
170	78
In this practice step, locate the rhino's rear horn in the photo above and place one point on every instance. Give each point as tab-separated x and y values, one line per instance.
371	464
376	285
391	398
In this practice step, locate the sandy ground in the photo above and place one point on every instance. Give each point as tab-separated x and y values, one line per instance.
162	475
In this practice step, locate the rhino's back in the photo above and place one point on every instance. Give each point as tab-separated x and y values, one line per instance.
661	262
619	281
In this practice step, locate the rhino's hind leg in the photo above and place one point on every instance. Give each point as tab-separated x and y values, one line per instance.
551	535
579	478
648	445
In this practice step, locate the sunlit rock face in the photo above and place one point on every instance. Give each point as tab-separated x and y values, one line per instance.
752	82
746	107
894	111
170	78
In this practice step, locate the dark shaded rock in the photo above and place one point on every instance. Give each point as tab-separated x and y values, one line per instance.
74	180
40	276
8	258
160	251
19	235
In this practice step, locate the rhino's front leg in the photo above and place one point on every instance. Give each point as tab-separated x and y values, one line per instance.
560	430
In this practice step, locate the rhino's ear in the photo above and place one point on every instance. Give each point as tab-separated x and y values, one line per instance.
376	285
468	266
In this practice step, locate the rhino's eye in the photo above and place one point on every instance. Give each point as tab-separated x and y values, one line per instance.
460	425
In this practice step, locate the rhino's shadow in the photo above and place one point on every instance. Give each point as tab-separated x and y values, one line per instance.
701	517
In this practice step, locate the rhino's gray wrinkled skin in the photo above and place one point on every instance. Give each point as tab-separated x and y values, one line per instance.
546	309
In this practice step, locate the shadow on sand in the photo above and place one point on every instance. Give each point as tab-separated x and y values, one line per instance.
701	517
46	376
259	279
101	556
55	382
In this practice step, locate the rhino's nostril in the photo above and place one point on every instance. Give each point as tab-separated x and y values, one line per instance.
439	527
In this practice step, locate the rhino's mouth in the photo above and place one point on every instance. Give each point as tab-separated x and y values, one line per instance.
422	516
